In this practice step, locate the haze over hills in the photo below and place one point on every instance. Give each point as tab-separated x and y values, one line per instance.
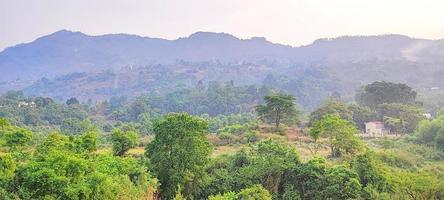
66	51
132	65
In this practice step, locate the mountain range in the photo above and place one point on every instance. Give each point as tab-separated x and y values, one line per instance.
349	60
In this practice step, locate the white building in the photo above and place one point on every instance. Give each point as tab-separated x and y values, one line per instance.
375	129
26	104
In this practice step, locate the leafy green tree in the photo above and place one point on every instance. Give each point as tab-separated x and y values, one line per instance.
291	193
255	192
431	133
419	185
385	92
331	107
270	161
87	142
14	137
74	126
362	115
178	195
342	183
309	179
408	116
8	166
179	153
225	196
123	139
57	170
340	134
72	101
372	175
278	109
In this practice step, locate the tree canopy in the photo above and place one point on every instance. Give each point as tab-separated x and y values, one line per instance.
278	109
380	92
340	134
179	153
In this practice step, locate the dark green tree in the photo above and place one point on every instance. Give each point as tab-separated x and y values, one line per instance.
123	139
342	183
278	109
385	92
403	118
179	153
72	101
361	115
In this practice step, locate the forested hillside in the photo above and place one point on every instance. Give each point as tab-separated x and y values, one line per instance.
71	64
221	142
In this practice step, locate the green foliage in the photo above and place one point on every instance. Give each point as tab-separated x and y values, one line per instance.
431	133
378	93
8	166
361	115
340	134
269	162
291	193
72	101
420	185
37	111
58	171
75	126
123	139
221	121
332	107
255	192
178	195
370	172
213	100
278	109
342	183
87	142
400	117
15	137
225	196
179	153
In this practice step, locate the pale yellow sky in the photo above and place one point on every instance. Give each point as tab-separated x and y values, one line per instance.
293	22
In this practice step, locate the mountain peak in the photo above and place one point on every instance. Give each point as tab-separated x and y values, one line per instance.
211	35
65	32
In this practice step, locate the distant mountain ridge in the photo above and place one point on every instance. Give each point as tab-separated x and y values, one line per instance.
65	51
66	64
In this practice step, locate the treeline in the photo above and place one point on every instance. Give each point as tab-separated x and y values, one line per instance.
177	164
89	156
393	104
39	112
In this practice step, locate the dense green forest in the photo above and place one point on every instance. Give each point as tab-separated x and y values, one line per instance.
222	141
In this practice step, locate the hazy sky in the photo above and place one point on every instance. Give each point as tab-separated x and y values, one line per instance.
293	22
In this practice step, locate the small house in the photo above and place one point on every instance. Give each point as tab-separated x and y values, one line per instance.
375	129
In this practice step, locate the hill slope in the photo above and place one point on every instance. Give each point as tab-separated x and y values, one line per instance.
131	65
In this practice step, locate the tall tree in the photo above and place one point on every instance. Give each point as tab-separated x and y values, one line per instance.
278	109
123	139
361	115
402	118
331	107
385	92
179	153
339	132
